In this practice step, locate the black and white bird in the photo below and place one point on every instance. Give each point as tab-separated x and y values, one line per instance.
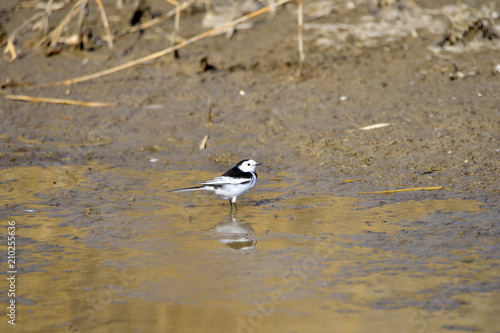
233	184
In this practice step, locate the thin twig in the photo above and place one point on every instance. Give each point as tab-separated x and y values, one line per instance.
43	6
10	48
59	101
81	19
48	12
300	20
54	35
159	54
104	18
48	9
209	111
374	126
425	10
25	23
203	143
177	20
404	190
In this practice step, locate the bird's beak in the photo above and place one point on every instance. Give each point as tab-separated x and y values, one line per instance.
258	164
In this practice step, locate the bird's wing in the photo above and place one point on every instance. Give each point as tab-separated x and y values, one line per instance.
223	180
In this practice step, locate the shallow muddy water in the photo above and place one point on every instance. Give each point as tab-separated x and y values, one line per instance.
377	105
107	249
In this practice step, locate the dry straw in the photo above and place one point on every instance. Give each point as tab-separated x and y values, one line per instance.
58	101
171	49
79	7
404	190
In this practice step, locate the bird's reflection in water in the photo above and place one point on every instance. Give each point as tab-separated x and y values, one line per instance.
236	235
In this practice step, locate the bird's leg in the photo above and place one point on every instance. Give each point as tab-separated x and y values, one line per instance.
231	203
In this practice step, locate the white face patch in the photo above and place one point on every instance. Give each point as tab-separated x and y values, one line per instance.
248	166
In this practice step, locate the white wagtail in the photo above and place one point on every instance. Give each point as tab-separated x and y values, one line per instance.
234	183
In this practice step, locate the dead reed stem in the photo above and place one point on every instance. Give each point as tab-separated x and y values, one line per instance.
10	48
59	101
56	33
404	190
49	8
170	49
209	111
104	18
177	20
300	19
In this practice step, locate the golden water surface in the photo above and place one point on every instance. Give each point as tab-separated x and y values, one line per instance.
105	249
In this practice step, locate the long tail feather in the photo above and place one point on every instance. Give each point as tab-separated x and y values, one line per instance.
189	189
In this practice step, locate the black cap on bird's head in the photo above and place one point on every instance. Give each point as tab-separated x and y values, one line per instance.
242	167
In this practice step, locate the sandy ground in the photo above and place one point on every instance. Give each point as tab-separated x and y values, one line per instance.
364	65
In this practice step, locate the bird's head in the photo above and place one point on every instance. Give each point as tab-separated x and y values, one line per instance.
247	165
